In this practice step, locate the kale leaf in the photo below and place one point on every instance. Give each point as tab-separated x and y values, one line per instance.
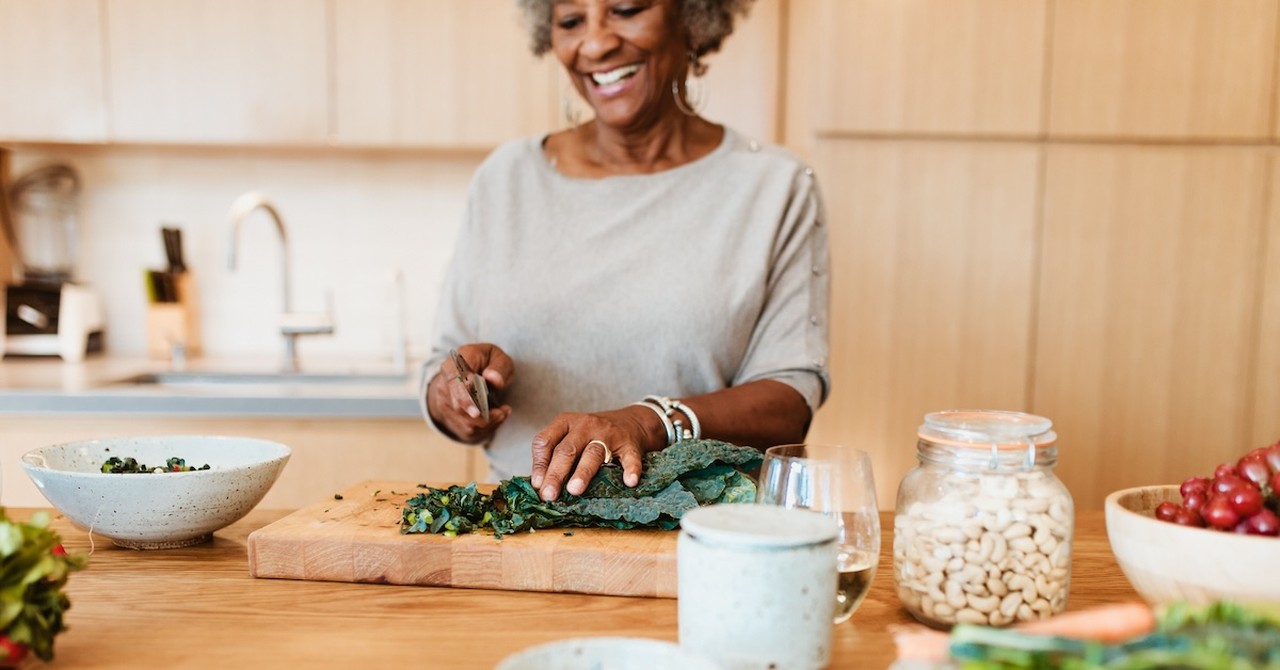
677	479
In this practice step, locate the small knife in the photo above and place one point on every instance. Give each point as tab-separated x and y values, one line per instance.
476	386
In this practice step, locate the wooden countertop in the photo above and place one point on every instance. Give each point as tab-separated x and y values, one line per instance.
199	608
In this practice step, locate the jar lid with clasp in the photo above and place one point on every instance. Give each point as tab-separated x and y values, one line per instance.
999	438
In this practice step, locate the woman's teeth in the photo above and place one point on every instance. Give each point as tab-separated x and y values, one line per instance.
613	76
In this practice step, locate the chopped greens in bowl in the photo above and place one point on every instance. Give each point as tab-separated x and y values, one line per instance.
182	508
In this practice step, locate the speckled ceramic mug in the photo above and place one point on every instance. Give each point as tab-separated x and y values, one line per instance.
755	585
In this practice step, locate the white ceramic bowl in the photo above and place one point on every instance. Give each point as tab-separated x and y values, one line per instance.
605	653
1166	562
157	510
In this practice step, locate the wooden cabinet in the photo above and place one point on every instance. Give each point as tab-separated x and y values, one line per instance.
433	73
328	454
427	73
933	250
51	79
1163	68
1266	401
1148	290
218	71
451	74
1132	295
937	66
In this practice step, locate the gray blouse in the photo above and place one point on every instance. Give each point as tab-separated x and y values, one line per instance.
678	283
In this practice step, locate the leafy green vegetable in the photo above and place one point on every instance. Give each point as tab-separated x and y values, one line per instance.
674	480
130	465
33	570
1221	636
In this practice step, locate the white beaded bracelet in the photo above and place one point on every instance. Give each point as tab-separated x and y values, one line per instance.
666	421
693	419
668	408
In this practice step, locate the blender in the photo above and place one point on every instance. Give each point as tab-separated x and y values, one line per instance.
46	312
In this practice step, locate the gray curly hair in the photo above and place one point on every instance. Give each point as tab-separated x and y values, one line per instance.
707	21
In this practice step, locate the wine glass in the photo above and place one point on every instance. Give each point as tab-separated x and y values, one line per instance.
837	481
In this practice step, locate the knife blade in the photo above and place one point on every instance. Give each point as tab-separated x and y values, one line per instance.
476	386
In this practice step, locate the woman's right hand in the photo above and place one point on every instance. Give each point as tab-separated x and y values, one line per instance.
449	402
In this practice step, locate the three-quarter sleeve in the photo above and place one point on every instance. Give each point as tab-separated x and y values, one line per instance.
790	340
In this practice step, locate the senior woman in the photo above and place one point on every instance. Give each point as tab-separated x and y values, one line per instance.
640	278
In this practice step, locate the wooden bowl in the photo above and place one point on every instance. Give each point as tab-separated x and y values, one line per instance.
1166	562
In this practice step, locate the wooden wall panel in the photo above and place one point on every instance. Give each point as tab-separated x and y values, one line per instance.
218	71
431	73
932	250
458	74
1163	68
1266	406
1148	289
9	260
799	87
744	80
51	80
947	66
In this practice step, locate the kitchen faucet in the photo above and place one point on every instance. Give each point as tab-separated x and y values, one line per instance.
291	324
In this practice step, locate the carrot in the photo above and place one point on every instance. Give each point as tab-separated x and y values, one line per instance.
918	643
1106	623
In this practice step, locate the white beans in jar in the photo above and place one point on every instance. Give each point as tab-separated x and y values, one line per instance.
983	528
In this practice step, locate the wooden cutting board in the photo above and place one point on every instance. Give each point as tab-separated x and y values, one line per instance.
357	539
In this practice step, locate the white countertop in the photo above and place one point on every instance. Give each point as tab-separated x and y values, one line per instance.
101	384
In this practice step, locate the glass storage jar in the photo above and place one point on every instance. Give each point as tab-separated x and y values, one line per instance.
982	527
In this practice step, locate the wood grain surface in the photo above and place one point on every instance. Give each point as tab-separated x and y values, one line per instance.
199	608
357	539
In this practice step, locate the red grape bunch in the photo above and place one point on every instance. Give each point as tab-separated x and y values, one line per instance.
1242	498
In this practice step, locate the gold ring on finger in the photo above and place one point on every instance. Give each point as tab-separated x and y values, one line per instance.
608	455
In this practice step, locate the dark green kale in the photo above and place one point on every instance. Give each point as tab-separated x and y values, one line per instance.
665	466
129	465
457	509
675	480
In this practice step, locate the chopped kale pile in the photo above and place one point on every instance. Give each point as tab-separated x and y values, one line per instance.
677	479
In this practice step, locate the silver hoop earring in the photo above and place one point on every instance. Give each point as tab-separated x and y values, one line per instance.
694	99
569	107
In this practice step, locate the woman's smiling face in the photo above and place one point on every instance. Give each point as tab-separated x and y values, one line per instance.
622	56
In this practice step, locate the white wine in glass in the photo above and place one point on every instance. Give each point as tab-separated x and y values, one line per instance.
837	481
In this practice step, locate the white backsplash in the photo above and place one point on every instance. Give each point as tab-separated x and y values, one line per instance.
352	220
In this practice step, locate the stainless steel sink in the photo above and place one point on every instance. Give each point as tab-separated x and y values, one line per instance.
259	378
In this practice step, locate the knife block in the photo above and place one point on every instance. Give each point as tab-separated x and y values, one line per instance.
175	324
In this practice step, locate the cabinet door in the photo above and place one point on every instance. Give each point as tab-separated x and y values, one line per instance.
933	287
451	73
51	79
1266	393
924	66
218	71
1149	290
1164	69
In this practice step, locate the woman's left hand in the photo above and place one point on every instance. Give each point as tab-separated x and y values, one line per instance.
573	447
